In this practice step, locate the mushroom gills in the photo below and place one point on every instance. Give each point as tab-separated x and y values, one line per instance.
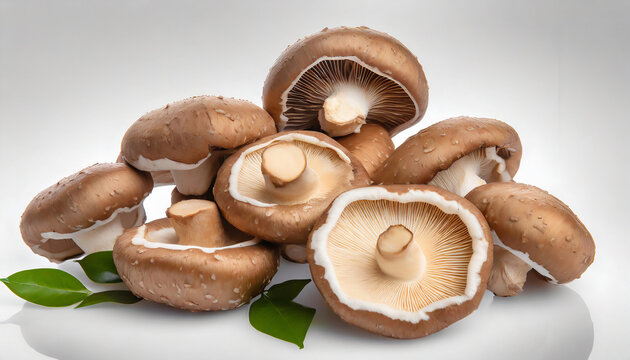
103	234
441	259
474	169
330	167
197	180
343	93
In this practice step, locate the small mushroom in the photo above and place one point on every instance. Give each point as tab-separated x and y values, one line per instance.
372	145
277	187
194	260
402	261
532	229
457	154
85	212
189	138
339	79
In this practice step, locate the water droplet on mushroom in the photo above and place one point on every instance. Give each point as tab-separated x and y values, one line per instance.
568	238
513	218
213	277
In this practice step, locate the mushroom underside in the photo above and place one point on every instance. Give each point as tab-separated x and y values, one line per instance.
103	234
324	173
474	169
443	239
342	90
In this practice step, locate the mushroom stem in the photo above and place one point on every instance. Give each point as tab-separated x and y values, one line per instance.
399	255
197	222
196	181
286	172
471	171
344	111
294	252
508	273
102	237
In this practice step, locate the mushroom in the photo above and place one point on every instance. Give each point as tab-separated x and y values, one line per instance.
339	79
372	145
85	212
189	138
531	229
402	261
277	187
193	260
457	154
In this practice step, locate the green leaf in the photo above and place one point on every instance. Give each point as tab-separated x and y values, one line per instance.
282	319
287	290
47	287
115	296
100	268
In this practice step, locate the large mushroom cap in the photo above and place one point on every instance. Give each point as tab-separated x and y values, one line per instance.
537	228
479	150
155	266
96	196
401	261
258	203
183	137
383	78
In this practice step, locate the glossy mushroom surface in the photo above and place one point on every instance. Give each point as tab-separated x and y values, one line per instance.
538	231
190	138
86	211
456	154
401	261
169	261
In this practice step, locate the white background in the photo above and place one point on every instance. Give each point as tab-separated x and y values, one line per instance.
75	74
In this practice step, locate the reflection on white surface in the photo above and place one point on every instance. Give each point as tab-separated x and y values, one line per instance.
544	322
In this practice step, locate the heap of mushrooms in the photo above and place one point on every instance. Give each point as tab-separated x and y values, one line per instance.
403	259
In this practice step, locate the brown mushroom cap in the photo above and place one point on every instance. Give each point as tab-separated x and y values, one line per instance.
82	201
539	226
184	135
310	70
452	234
419	159
193	278
246	202
372	145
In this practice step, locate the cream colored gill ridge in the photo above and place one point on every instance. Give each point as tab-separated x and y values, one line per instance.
375	70
524	258
320	238
235	172
102	234
166	238
164	164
